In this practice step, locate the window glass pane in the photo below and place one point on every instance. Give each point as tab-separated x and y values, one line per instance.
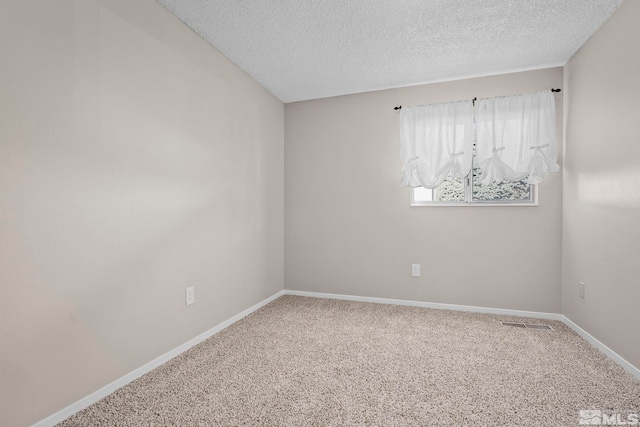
421	194
506	191
451	190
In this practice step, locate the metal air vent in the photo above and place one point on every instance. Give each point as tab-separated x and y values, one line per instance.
528	326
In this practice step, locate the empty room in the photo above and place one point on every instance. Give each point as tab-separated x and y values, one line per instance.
319	213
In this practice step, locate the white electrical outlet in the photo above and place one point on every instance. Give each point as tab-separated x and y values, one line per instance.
415	270
581	289
189	296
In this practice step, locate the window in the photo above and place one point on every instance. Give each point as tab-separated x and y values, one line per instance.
470	191
461	192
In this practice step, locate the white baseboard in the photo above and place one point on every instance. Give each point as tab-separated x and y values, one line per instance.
110	388
471	308
521	313
603	348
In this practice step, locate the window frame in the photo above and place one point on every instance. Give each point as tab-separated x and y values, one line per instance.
468	194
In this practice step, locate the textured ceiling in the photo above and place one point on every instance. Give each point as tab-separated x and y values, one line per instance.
308	49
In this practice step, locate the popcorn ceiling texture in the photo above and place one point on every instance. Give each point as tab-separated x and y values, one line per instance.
308	49
314	362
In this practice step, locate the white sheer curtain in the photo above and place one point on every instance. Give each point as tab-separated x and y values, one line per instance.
436	140
516	137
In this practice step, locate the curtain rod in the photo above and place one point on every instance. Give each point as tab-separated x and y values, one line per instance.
475	99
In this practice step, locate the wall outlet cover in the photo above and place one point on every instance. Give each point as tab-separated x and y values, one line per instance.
189	295
415	270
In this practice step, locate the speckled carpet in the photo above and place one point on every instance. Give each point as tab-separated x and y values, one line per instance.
316	362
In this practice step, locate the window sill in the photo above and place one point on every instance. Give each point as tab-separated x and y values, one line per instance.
475	204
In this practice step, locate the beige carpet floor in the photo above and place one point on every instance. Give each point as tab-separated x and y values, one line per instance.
316	362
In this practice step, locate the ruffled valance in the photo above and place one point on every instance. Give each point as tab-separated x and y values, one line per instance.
515	140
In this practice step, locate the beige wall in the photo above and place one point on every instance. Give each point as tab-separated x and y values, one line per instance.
349	228
601	219
135	160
